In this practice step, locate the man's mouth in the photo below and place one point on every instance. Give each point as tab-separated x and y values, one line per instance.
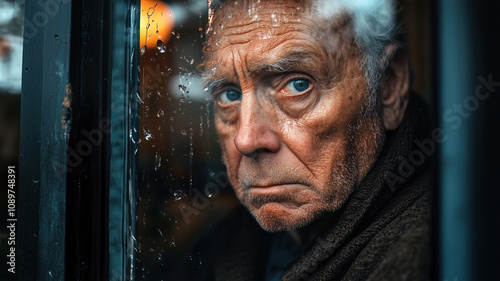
284	194
274	188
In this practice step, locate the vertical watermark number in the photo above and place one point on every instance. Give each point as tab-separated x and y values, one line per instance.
12	218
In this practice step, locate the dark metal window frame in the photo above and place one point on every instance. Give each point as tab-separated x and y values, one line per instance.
75	145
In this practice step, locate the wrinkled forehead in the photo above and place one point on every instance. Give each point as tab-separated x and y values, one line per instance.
254	9
241	21
235	19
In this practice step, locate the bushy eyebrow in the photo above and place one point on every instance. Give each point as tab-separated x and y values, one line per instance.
298	59
295	60
211	83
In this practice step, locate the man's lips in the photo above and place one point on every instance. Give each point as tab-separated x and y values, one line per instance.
284	194
274	188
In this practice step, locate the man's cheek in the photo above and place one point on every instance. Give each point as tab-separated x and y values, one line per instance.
229	153
224	142
231	158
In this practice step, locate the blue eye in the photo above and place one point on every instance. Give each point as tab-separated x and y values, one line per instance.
298	86
229	96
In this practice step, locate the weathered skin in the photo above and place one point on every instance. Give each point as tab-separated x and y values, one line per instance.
291	155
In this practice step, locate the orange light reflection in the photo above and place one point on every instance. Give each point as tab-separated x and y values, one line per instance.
160	18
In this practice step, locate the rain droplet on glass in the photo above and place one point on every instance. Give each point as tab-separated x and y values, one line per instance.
160	113
147	133
178	194
182	88
210	191
138	98
157	161
161	46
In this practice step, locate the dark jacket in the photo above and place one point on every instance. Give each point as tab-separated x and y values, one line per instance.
381	233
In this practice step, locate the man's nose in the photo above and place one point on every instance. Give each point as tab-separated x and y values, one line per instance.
256	130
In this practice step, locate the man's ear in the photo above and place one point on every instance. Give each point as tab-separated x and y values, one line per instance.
395	87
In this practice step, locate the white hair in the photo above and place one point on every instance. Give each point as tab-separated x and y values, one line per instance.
374	26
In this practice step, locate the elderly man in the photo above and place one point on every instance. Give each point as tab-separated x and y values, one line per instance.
315	120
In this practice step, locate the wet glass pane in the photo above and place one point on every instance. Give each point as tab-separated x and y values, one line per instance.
123	139
181	183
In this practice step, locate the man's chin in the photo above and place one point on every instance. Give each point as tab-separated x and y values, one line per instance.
277	216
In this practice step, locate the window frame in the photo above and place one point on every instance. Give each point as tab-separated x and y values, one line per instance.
77	94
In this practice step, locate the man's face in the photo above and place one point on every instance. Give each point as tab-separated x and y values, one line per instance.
291	116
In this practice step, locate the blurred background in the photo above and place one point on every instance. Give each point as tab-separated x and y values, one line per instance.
178	155
11	51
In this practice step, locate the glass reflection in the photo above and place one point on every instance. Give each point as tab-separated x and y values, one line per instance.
181	184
